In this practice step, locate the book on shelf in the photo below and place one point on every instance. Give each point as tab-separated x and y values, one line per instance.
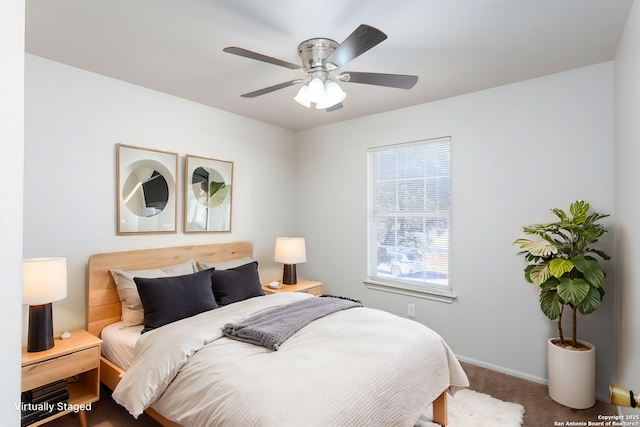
43	402
46	389
52	396
32	412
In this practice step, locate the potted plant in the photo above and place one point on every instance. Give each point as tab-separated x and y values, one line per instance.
561	264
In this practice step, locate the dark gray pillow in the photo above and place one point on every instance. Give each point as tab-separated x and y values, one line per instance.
167	299
236	284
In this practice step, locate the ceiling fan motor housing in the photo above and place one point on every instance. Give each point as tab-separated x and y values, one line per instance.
314	54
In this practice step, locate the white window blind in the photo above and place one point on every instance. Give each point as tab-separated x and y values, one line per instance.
409	215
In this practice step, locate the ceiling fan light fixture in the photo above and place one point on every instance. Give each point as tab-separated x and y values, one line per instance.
322	95
303	97
334	93
316	90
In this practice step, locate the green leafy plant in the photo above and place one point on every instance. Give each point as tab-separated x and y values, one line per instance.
562	265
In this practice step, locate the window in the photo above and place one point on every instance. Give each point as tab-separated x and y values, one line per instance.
409	218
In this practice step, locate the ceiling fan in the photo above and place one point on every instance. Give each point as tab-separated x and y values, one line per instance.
320	58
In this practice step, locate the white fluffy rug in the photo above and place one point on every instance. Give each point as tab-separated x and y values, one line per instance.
472	409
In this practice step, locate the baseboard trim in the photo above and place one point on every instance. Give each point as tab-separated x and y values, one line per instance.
503	370
518	374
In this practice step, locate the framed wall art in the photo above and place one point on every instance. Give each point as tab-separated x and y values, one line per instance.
208	188
147	190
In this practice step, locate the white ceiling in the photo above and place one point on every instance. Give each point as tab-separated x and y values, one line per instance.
454	46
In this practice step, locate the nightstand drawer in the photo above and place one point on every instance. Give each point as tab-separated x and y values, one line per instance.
316	290
67	365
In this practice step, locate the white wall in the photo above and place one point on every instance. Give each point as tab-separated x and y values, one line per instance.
627	196
74	119
517	151
11	164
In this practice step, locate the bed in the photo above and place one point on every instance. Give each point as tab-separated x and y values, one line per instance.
305	378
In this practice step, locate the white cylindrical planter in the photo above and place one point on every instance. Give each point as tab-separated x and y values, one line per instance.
572	375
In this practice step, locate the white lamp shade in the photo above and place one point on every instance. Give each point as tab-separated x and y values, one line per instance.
316	90
290	250
302	97
44	280
334	95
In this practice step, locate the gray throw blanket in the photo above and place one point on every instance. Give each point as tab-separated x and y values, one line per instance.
273	327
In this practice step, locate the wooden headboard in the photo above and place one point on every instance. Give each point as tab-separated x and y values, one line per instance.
103	302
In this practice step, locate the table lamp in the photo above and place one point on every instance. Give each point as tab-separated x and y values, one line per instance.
44	280
290	251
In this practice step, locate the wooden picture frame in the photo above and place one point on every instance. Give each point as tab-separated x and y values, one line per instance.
207	195
147	190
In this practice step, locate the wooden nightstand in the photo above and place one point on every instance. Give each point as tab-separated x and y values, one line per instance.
76	359
306	286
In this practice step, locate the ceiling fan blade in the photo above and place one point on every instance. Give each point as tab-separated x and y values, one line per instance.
400	81
271	89
334	107
260	57
361	40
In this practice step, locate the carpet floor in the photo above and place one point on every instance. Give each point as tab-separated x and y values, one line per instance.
540	409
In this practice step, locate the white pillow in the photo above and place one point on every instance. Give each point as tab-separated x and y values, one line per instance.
132	310
224	265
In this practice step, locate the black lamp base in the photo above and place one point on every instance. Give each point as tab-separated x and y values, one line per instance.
289	275
40	335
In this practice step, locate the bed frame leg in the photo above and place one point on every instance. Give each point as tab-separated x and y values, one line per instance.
440	415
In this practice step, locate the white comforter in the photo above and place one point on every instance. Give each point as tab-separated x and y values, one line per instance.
357	367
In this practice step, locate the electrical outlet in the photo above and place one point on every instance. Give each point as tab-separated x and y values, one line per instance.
411	310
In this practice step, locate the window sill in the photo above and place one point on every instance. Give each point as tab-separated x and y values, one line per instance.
430	294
